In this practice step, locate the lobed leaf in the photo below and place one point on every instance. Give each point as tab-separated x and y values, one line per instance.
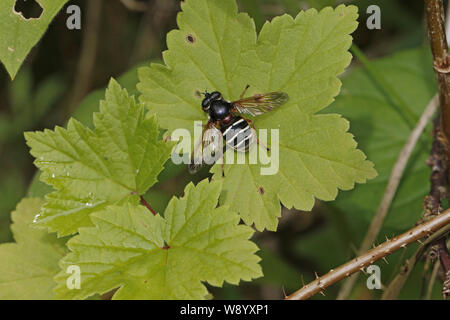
28	266
216	48
150	257
117	162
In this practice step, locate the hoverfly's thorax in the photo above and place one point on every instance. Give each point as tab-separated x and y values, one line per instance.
219	110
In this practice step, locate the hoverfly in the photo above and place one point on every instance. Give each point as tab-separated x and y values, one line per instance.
225	122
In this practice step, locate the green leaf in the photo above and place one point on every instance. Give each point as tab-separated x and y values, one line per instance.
382	133
27	267
150	257
216	48
18	35
117	162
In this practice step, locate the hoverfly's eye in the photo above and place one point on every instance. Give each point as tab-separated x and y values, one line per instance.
216	95
205	104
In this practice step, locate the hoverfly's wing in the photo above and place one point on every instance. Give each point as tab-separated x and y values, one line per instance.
260	103
208	148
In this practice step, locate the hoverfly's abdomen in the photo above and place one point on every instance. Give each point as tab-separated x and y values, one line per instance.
238	135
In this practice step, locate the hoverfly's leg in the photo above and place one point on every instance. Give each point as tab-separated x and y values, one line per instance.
223	166
257	139
262	144
243	92
223	157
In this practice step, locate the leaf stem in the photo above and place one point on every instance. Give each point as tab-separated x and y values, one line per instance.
145	203
368	258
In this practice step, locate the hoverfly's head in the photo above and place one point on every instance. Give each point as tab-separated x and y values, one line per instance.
210	97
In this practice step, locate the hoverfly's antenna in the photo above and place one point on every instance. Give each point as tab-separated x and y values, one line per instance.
204	93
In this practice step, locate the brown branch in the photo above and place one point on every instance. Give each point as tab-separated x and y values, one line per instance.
438	192
435	18
393	289
368	258
391	189
446	288
438	179
432	205
439	49
444	257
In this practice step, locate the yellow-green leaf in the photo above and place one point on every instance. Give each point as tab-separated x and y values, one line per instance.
19	35
27	267
150	257
217	48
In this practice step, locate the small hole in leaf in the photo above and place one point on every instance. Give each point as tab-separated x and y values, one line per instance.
198	94
261	190
29	9
190	38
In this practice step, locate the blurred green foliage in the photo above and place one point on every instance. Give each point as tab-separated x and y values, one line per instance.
382	131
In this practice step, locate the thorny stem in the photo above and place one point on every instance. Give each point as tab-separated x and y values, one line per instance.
440	153
432	202
439	49
145	203
368	258
391	189
444	256
393	289
438	192
438	181
432	205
